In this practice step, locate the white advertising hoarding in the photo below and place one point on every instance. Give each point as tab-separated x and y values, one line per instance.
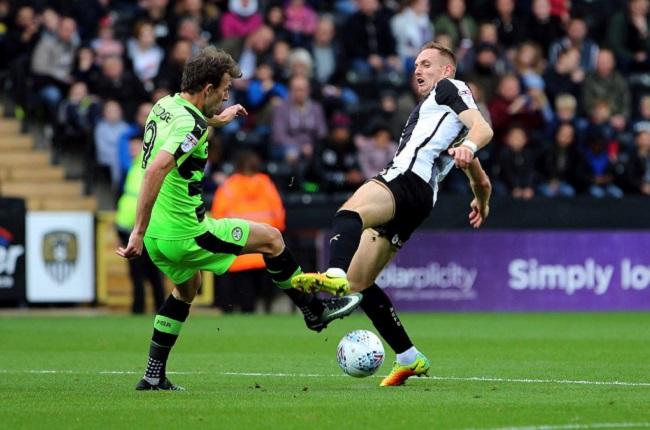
60	257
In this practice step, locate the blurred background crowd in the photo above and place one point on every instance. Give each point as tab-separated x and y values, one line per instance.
328	85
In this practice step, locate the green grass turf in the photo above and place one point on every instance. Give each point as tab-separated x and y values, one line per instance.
589	347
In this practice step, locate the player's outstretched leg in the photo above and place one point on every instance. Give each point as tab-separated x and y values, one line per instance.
409	362
166	329
346	235
318	314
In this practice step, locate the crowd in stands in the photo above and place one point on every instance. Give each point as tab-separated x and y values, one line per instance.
565	84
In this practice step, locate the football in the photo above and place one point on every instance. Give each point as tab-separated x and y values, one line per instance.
360	353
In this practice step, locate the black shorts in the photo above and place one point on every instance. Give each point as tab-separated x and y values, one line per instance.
413	204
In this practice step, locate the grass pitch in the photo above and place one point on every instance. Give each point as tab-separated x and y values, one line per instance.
537	371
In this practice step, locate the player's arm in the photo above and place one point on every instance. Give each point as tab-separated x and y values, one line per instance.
227	115
153	179
458	97
482	189
479	135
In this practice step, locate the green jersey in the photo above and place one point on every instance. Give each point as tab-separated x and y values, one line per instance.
179	128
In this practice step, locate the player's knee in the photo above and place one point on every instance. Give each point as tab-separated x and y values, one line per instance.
185	294
275	242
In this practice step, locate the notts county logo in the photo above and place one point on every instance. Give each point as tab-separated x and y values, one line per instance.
60	252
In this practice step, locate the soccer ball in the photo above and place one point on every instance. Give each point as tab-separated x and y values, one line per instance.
360	353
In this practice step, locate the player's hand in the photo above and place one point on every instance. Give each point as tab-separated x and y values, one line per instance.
227	115
133	248
478	214
463	156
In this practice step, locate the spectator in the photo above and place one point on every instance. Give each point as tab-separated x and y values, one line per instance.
241	19
280	60
107	134
411	29
300	22
50	21
335	168
576	38
326	51
479	98
484	72
251	195
256	48
637	167
600	122
510	106
529	65
560	163
516	164
171	71
144	54
205	15
275	20
460	27
369	43
124	150
598	168
52	63
119	84
643	119
76	118
565	76
156	12
376	149
22	36
629	36
541	26
300	63
19	44
298	124
106	45
141	268
390	113
189	29
85	67
566	108
264	91
509	26
607	84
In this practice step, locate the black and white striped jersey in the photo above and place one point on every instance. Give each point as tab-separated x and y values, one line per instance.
431	129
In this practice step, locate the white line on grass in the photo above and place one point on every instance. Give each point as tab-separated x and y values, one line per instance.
575	426
314	375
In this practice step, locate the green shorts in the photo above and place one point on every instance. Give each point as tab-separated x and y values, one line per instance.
214	251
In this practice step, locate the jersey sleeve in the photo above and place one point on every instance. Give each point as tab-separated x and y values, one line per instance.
184	137
456	95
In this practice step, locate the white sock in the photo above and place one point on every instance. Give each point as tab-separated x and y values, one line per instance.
408	356
335	272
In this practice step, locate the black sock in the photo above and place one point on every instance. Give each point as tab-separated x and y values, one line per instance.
381	312
345	239
281	269
166	328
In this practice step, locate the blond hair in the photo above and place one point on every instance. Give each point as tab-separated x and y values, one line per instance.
443	50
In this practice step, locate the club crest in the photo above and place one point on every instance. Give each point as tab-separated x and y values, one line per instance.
60	253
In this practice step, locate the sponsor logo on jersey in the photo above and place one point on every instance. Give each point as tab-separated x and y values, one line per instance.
189	142
60	251
237	233
466	95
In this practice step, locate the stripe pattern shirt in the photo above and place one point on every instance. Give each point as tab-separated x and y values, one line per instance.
431	129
